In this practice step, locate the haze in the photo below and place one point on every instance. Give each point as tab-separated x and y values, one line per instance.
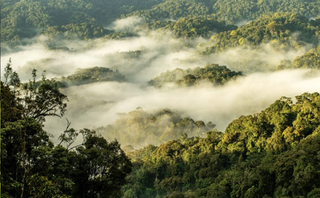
98	104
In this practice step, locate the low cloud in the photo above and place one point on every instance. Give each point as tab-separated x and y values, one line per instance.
98	104
263	58
144	57
126	25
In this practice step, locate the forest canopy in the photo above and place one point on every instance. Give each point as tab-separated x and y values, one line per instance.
148	98
212	73
91	75
86	19
32	166
283	31
270	154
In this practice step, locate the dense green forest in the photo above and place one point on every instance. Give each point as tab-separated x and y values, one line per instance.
100	58
308	60
192	27
213	73
91	75
86	19
230	10
32	166
273	153
82	19
283	31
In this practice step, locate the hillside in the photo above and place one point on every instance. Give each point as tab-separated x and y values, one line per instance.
232	10
160	98
86	19
82	19
213	73
283	31
270	154
310	59
91	75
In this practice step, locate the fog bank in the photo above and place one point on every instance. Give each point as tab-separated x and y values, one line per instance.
146	56
98	104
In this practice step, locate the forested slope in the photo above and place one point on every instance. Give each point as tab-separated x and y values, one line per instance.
91	75
311	59
86	19
239	11
213	74
160	54
82	19
283	31
192	27
268	154
273	153
230	10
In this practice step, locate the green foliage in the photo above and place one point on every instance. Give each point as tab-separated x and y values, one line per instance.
173	9
212	73
278	128
83	19
37	99
238	11
119	35
33	167
83	31
274	153
91	75
42	187
197	26
176	166
98	167
11	77
41	99
231	10
139	128
311	59
10	108
282	31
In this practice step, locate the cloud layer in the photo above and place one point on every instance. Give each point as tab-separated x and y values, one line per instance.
144	57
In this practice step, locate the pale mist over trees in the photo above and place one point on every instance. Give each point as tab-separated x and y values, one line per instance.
160	98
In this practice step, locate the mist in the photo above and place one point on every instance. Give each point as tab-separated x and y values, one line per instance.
156	56
126	24
98	104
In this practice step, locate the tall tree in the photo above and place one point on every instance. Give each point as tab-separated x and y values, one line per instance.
33	167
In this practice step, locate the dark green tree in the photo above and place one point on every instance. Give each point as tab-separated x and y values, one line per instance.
33	167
